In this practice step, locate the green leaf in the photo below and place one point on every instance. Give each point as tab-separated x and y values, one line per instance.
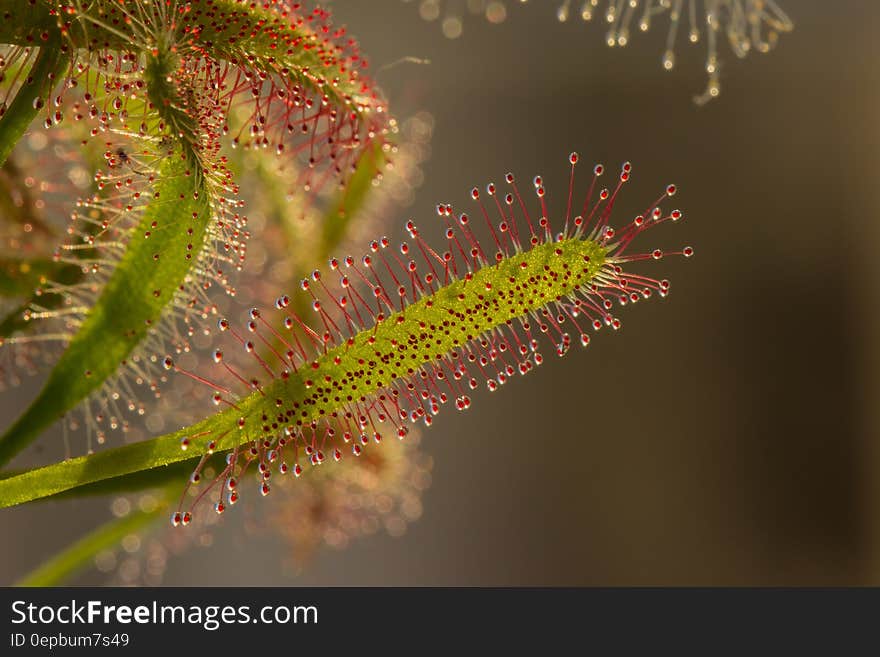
132	301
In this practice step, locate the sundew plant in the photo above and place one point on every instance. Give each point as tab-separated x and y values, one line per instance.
186	372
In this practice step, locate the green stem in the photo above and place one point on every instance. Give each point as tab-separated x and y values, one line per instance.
48	67
79	555
134	482
145	458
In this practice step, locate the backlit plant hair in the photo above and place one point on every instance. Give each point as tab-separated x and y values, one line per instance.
748	25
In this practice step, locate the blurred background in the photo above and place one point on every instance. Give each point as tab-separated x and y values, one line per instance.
728	435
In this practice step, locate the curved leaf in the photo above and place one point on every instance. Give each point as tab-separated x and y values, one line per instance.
143	457
246	419
132	301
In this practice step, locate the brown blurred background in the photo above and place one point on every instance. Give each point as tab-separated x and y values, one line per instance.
727	435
